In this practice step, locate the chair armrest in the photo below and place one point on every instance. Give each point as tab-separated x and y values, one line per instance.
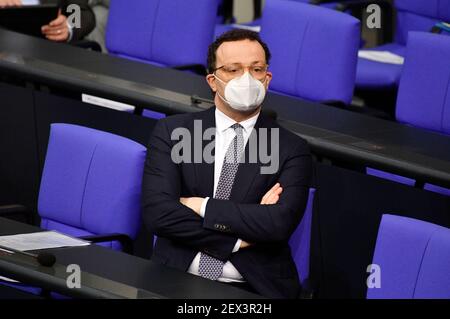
125	240
440	27
85	44
16	210
196	68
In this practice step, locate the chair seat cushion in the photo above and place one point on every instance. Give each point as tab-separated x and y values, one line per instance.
373	75
76	232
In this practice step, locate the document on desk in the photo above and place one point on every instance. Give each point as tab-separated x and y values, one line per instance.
381	56
30	2
40	240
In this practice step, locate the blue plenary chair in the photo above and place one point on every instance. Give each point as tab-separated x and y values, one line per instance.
314	51
256	22
91	187
412	15
413	258
423	97
169	33
300	242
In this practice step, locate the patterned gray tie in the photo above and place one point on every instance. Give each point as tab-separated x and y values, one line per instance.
211	267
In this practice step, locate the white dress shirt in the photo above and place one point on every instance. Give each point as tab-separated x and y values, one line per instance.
224	136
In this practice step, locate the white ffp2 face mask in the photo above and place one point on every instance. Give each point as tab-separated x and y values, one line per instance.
244	93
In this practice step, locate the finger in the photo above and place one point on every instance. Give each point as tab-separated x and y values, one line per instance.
244	244
273	190
266	199
267	195
61	19
10	3
58	38
54	31
57	27
45	28
273	200
275	196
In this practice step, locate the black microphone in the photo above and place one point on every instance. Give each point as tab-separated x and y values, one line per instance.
44	258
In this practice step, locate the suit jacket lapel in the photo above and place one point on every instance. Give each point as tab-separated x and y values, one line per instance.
205	171
247	172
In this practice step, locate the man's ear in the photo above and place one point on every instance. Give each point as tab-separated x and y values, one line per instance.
268	79
211	79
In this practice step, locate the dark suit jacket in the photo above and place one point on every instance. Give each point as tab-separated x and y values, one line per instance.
87	18
267	265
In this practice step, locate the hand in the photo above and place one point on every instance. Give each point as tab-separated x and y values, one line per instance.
273	195
244	244
194	203
57	30
10	3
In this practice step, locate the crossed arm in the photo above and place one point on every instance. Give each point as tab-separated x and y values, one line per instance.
270	198
272	220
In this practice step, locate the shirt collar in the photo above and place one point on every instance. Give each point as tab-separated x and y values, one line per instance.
223	122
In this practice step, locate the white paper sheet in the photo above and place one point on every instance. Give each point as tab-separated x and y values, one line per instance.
8	280
118	106
255	28
40	240
30	2
381	56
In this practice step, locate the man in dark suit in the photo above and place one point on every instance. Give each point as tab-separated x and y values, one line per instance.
60	30
228	219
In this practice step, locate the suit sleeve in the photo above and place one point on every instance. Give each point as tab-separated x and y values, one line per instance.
87	18
163	214
257	223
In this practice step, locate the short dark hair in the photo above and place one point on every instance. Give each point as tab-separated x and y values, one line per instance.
230	36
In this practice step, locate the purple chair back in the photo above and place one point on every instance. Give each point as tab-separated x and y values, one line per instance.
414	259
314	50
91	182
419	15
301	238
162	32
424	100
